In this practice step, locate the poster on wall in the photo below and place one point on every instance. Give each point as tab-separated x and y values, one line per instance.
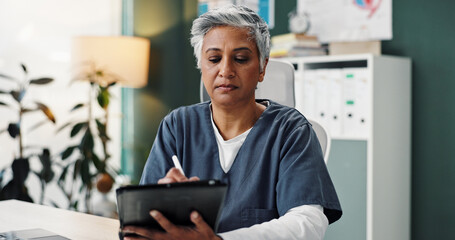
348	20
265	8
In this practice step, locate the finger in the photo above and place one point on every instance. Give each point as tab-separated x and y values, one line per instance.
176	174
201	225
142	233
162	220
194	179
172	176
166	180
134	238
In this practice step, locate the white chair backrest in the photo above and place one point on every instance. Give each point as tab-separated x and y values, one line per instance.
278	85
324	138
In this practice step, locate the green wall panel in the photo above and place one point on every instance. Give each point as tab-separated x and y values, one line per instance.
424	31
173	78
348	170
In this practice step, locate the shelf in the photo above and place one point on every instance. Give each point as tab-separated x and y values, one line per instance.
370	161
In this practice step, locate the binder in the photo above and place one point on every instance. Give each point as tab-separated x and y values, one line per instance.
337	98
355	102
321	99
335	102
306	104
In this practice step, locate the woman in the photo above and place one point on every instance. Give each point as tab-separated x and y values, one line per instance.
279	187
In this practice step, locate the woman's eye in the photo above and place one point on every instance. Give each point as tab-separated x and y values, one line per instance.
214	59
241	60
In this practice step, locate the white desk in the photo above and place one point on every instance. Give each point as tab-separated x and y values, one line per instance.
18	215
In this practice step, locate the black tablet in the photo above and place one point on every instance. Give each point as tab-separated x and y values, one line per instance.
175	201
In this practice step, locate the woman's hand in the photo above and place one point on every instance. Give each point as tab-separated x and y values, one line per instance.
201	231
174	175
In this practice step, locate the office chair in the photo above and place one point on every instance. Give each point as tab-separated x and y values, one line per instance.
278	85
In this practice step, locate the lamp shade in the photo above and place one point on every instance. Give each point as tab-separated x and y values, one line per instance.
125	59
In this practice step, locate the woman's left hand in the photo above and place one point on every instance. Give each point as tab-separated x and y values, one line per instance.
200	231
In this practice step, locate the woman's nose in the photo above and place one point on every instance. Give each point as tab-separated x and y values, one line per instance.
226	69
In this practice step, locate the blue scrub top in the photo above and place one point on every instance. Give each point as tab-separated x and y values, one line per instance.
279	166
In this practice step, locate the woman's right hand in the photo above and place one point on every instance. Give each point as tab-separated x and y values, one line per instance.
175	175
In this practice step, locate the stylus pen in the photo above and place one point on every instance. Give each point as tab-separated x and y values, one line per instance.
177	164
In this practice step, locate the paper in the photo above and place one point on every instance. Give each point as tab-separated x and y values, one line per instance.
264	8
348	20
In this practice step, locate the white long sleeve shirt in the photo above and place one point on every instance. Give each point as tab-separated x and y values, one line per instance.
306	222
303	222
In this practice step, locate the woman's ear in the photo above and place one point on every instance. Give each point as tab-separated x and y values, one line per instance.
262	73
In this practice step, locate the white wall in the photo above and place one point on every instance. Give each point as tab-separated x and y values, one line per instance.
38	33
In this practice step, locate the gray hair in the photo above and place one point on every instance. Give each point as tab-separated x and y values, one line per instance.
234	16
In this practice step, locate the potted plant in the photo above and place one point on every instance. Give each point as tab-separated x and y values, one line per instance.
84	165
15	188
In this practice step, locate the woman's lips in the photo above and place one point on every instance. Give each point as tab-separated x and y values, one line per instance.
226	87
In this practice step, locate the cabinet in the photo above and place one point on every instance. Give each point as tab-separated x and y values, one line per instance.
370	157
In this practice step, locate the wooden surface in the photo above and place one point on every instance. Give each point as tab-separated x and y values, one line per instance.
18	215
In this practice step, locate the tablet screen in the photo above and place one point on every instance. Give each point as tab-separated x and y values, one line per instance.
175	201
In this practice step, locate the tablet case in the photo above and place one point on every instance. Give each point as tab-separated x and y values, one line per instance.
175	201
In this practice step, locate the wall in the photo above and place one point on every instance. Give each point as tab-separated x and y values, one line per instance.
173	78
423	30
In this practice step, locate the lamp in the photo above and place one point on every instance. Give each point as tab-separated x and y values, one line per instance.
125	58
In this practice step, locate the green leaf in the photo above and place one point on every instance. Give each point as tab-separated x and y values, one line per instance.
37	174
46	111
61	179
41	81
81	188
54	204
26	110
85	172
24	68
13	129
47	174
100	166
77	168
87	141
18	95
77	128
2	172
37	125
64	126
74	205
77	106
3	104
102	129
103	98
99	123
6	77
68	152
21	168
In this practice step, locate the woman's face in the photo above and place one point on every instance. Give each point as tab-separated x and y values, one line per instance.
230	66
